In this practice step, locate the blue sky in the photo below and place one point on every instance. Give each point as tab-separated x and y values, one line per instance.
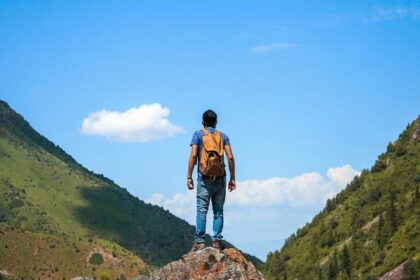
309	94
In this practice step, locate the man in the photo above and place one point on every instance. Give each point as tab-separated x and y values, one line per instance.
211	181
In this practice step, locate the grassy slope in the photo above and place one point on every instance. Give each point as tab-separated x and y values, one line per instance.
27	255
43	189
367	229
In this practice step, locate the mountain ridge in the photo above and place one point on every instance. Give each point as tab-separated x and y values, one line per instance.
18	125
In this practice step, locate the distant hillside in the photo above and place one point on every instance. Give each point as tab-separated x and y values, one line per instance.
44	190
31	255
368	229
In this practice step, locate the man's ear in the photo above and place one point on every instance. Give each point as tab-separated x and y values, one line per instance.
202	122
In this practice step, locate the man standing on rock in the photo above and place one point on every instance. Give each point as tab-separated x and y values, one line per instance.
208	147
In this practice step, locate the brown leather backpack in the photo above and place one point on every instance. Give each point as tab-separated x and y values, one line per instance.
212	163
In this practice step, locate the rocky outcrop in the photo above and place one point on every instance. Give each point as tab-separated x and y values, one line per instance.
208	264
395	274
5	275
416	134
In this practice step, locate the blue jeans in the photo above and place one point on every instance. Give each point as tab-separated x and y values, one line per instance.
216	192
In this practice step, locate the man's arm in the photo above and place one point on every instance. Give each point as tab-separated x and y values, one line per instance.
191	164
231	163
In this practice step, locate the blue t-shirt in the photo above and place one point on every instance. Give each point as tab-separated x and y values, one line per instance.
197	139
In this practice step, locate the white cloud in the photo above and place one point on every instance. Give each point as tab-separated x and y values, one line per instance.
156	198
145	123
273	47
306	190
180	204
390	13
257	208
341	176
294	191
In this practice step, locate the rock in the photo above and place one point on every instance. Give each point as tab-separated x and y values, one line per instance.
395	274
416	134
5	275
208	264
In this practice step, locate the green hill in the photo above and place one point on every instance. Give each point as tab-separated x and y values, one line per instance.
55	215
44	190
366	230
31	255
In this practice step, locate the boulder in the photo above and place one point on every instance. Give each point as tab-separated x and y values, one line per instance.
208	264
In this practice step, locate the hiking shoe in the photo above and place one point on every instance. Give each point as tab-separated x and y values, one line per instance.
218	244
197	246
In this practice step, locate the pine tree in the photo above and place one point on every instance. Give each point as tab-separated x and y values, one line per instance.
327	240
355	218
392	214
381	235
314	247
345	261
332	272
320	274
333	268
285	275
322	228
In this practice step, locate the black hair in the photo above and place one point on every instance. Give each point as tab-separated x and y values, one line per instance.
209	118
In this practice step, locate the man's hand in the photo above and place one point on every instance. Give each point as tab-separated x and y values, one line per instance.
190	183
232	185
191	163
231	161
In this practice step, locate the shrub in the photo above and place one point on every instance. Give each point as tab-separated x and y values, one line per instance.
374	194
331	204
411	270
103	275
379	166
96	259
390	148
145	271
401	151
380	259
16	203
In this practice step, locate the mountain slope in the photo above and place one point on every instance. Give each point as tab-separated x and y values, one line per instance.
368	229
45	193
31	255
44	190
